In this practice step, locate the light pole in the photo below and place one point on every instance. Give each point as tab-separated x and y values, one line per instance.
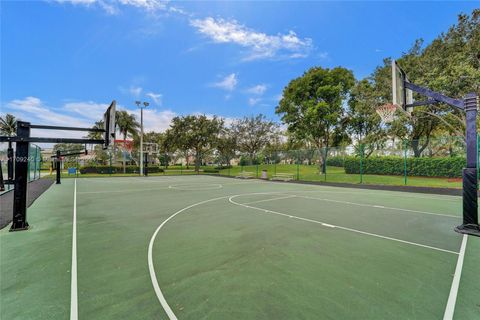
145	104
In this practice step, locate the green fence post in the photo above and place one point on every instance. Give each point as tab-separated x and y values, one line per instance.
76	169
361	163
256	166
405	161
35	167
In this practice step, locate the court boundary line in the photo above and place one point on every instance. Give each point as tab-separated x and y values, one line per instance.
452	297
325	224
153	277
161	298
379	206
186	186
273	199
73	281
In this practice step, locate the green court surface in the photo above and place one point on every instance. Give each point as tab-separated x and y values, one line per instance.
205	247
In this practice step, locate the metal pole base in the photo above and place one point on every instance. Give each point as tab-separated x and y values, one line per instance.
19	226
470	229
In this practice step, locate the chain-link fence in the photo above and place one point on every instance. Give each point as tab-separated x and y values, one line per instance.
434	162
34	163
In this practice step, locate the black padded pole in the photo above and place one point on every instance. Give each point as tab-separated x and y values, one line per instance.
10	162
470	173
58	163
145	164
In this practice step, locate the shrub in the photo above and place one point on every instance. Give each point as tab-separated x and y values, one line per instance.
391	165
335	161
116	169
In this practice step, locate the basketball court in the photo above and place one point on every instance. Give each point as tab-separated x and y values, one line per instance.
198	247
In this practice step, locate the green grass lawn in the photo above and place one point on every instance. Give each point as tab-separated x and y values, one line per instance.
337	174
303	173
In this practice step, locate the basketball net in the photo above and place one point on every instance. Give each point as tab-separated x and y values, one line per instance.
387	112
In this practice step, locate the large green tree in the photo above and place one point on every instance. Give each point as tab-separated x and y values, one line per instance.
253	133
362	121
312	105
451	65
226	146
197	133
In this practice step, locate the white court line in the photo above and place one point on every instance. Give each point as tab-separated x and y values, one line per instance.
340	227
380	207
196	187
397	194
265	200
452	297
151	268
153	277
156	189
73	284
125	190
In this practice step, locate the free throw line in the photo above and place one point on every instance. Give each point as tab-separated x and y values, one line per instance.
73	283
452	298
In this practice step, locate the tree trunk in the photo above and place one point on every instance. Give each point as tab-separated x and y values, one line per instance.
197	161
417	149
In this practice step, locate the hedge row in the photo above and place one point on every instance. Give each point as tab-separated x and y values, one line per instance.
336	161
424	167
116	169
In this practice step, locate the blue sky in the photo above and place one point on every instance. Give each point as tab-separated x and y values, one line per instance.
63	61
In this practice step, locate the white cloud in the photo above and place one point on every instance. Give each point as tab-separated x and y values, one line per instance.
150	5
323	55
135	91
261	45
33	109
228	83
259	89
88	109
253	101
112	6
156	97
154	120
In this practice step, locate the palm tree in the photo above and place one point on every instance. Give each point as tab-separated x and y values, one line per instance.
96	135
8	127
127	124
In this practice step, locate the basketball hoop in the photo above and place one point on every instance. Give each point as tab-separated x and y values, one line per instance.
150	148
387	112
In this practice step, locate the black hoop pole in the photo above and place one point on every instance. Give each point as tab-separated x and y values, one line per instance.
469	104
10	163
21	172
58	163
2	185
470	172
145	165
